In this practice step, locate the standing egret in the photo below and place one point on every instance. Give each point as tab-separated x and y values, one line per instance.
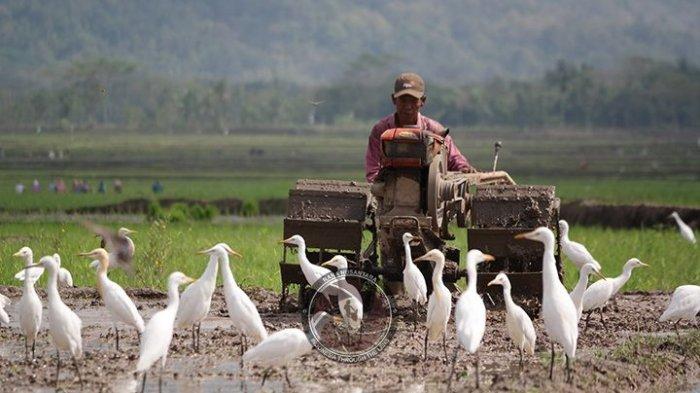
349	300
413	280
439	303
155	340
576	252
120	246
29	305
558	310
598	294
117	302
195	301
518	323
241	310
64	276
28	256
64	324
283	346
684	304
470	315
4	302
312	272
685	230
580	288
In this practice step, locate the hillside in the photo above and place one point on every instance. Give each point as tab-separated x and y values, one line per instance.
312	42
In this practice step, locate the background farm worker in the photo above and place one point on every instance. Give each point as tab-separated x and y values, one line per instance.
117	186
36	187
101	188
60	186
19	188
157	187
408	98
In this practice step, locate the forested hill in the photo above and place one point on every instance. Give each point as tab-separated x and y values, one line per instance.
315	41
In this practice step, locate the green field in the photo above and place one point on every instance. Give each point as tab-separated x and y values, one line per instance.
162	249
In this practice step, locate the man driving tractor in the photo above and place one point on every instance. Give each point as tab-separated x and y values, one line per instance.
408	98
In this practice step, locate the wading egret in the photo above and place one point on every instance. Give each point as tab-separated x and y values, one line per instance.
4	302
576	252
120	246
241	310
349	300
117	302
580	288
413	280
598	294
312	272
29	305
439	303
684	304
685	230
281	347
155	340
64	324
558	310
518	323
195	301
470	315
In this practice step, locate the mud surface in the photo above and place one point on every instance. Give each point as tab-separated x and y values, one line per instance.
601	363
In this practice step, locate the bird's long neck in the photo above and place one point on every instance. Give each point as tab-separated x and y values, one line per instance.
564	232
678	220
437	273
407	250
102	274
52	286
580	287
173	295
622	279
301	255
471	277
507	298
212	270
226	273
549	268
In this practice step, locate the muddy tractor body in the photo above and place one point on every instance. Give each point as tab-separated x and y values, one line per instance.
414	192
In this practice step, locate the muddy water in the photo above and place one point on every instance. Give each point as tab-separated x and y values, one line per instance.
398	368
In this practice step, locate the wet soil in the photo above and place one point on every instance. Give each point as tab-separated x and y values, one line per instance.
600	363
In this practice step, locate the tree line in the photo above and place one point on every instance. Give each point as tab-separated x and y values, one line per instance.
107	94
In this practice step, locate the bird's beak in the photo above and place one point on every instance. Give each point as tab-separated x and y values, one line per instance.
489	258
189	280
17	254
287	241
202	252
599	274
84	254
329	263
415	241
492	282
521	236
31	266
419	259
643	264
234	253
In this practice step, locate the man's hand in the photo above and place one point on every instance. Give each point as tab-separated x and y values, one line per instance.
469	169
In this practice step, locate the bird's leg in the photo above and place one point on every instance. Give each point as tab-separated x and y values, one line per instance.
160	374
199	335
26	349
286	377
602	319
452	369
444	344
675	327
33	348
77	370
476	366
551	363
143	383
588	318
425	346
266	373
58	366
521	357
568	369
116	331
415	315
245	341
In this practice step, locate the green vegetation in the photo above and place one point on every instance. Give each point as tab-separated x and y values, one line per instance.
652	352
164	247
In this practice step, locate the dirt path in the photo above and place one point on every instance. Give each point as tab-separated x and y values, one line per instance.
636	353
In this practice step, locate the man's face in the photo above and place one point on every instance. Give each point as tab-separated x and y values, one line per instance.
407	106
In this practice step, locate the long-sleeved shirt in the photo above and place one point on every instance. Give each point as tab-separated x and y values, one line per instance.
455	160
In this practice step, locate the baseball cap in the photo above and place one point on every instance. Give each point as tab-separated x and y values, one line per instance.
409	83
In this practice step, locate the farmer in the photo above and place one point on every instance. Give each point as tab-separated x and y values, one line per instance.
408	98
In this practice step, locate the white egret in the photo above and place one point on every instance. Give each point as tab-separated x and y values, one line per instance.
283	346
349	300
598	294
576	252
119	245
439	303
470	315
685	230
29	306
155	340
684	304
195	301
4	302
580	288
241	310
413	280
64	324
558	310
518	323
117	302
27	255
312	272
64	276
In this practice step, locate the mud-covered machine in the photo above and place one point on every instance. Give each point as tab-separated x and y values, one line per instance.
414	192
